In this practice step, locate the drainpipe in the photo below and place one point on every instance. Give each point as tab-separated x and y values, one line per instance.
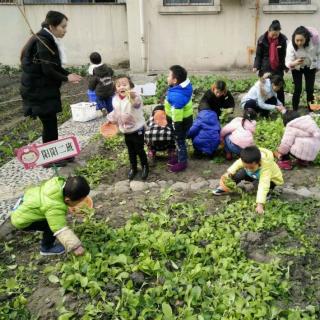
251	50
142	35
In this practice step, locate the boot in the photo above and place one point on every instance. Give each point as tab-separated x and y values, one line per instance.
285	164
178	167
302	163
144	173
228	156
132	173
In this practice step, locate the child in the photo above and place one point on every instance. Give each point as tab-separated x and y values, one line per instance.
159	135
262	97
217	98
128	114
255	164
205	133
238	134
101	82
179	111
301	139
44	208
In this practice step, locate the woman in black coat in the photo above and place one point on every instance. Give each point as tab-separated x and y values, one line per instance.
42	74
271	54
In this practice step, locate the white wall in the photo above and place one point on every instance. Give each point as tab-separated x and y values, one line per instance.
219	41
101	28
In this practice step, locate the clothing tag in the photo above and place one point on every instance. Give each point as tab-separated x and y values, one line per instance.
279	47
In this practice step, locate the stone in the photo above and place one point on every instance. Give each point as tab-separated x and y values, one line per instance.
180	186
253	237
109	191
162	183
121	189
152	185
304	192
137	186
170	182
213	183
200	179
123	183
198	185
259	256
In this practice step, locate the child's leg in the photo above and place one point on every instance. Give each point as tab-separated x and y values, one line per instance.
129	140
108	104
240	176
139	148
230	148
48	238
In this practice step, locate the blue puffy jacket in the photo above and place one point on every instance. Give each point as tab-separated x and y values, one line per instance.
205	132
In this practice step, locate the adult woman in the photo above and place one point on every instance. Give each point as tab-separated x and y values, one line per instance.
303	58
42	74
271	54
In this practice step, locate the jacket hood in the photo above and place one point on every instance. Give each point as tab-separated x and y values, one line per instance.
306	124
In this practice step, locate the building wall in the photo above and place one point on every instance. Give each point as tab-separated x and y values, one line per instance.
213	41
101	28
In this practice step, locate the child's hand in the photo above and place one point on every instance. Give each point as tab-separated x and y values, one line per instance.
79	251
259	208
277	154
133	95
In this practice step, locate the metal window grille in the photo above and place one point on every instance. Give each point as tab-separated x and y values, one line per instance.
187	2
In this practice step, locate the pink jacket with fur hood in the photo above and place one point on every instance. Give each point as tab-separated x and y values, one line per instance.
239	135
301	138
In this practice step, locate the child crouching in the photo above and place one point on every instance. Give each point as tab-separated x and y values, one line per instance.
301	140
159	135
44	208
255	164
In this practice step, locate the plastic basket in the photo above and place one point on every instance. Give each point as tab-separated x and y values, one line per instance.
83	111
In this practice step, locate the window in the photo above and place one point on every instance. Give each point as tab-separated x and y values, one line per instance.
69	1
187	2
289	1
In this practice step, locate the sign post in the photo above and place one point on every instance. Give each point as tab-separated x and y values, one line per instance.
36	155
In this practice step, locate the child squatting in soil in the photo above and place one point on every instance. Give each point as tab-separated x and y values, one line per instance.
301	140
179	111
238	133
255	164
44	208
100	83
128	115
159	135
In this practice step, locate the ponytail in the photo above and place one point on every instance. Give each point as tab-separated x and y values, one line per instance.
248	114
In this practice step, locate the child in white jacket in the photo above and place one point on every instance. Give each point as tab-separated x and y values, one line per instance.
128	114
262	97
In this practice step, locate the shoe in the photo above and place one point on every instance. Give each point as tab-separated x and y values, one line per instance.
57	164
219	192
178	167
285	164
302	163
144	173
104	112
132	173
55	250
228	156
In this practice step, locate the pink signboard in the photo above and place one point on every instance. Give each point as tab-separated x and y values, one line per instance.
36	155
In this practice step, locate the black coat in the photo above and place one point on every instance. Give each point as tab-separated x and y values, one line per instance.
101	81
262	60
42	76
212	102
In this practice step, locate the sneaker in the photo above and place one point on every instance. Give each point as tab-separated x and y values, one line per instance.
57	249
178	167
302	163
172	158
219	192
285	164
228	156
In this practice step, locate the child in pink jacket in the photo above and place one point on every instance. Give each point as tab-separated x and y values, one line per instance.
301	139
238	134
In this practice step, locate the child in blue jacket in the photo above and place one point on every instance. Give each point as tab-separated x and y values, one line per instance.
205	133
179	111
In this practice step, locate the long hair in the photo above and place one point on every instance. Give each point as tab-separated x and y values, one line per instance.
248	114
303	31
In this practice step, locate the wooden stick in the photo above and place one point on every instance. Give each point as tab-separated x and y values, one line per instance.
27	22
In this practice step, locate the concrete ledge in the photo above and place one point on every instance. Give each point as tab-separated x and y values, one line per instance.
190	10
290	8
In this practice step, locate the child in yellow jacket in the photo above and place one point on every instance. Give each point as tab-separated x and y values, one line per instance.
255	164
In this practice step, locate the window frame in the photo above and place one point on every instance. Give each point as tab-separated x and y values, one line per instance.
165	4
